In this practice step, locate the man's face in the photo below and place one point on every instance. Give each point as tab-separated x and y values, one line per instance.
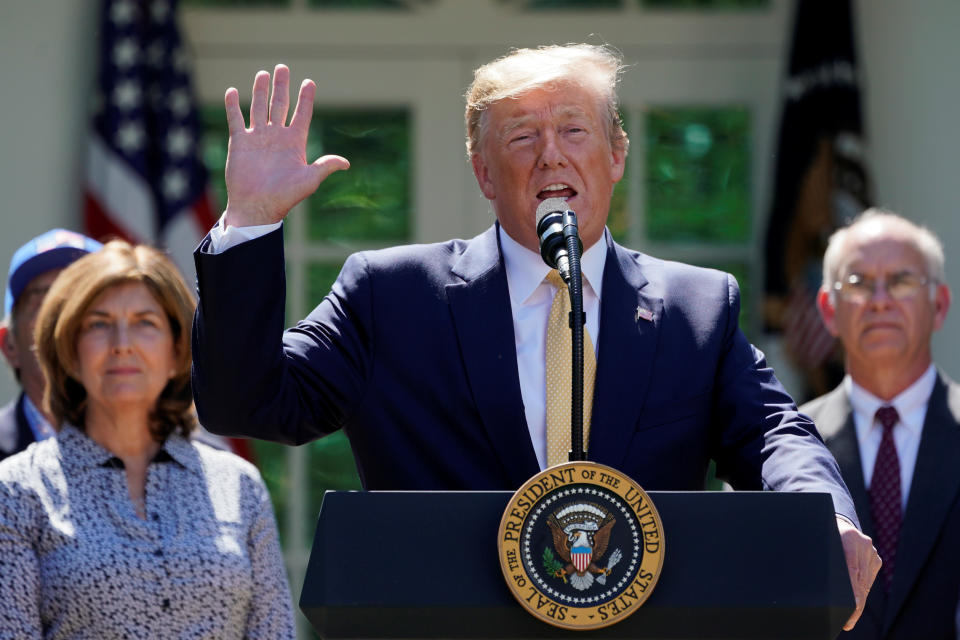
548	144
880	330
18	343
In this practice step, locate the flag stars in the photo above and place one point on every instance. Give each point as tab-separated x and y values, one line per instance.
159	10
130	137
180	61
179	103
126	54
127	95
121	13
174	185
179	142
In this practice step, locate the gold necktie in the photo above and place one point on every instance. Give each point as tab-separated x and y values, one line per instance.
559	374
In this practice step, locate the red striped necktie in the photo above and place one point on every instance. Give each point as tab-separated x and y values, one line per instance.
885	500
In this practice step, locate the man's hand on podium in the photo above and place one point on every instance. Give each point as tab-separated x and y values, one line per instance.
863	563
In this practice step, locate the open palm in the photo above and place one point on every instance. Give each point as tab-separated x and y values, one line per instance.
267	170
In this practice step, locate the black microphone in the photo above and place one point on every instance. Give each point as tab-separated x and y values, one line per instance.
555	223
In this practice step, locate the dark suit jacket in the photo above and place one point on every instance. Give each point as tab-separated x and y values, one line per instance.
13	422
413	355
922	602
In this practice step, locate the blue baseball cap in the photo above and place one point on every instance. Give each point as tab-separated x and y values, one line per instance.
54	249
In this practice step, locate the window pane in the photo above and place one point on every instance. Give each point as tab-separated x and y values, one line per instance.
331	465
320	277
213	147
705	4
370	201
549	5
619	219
271	459
698	174
366	4
236	4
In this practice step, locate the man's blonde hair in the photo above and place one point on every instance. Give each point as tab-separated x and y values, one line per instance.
594	67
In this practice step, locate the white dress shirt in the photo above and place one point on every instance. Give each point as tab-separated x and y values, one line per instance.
530	301
911	406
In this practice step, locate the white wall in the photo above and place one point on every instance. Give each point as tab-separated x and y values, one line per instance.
47	49
911	53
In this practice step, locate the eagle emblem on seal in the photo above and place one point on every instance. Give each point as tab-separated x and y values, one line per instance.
581	534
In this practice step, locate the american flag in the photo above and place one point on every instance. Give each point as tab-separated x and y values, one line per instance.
805	336
146	181
145	178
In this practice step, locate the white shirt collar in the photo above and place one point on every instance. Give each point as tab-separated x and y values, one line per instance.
910	403
526	269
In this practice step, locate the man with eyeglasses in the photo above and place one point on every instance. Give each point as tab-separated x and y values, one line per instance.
894	422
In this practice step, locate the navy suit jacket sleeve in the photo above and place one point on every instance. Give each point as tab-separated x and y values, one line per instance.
413	354
257	380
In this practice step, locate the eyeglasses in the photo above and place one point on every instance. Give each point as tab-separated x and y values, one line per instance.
899	286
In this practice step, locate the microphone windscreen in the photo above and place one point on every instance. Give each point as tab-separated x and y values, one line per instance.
551	205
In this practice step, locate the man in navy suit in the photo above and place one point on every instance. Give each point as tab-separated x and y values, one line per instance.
884	295
432	357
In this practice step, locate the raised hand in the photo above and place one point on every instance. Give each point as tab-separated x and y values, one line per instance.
267	170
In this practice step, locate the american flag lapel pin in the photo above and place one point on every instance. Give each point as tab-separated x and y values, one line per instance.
643	314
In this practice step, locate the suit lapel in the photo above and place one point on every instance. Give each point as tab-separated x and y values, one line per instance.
836	422
936	481
480	306
628	343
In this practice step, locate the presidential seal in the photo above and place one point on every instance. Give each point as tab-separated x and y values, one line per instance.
581	545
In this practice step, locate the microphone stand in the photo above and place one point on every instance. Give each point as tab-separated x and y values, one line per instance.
577	321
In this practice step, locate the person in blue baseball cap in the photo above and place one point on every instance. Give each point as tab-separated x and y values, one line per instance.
33	268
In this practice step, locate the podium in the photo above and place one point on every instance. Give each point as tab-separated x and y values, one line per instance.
737	565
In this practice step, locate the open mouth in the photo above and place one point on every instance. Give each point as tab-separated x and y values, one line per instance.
557	190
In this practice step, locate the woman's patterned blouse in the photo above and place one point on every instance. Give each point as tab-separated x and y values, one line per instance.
77	562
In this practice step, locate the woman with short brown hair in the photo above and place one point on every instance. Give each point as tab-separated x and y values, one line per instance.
121	526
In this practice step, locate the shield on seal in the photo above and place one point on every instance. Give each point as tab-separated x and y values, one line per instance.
581	557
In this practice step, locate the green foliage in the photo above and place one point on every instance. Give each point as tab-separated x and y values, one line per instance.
213	150
619	219
698	175
271	459
320	277
371	201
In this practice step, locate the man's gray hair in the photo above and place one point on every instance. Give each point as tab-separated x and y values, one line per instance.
925	241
